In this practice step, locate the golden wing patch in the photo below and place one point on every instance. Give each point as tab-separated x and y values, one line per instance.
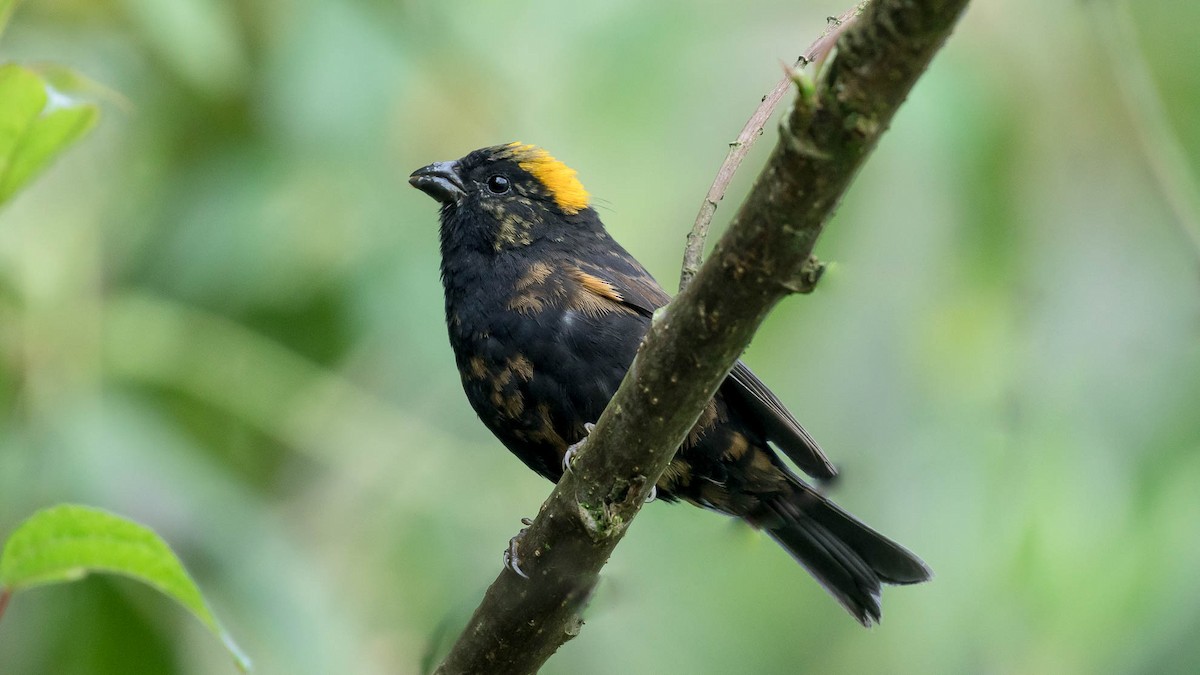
567	287
598	286
595	296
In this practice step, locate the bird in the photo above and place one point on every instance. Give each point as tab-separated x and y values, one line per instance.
545	312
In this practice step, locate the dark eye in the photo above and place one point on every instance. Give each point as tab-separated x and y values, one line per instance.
498	185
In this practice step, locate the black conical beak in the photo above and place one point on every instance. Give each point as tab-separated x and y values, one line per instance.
439	180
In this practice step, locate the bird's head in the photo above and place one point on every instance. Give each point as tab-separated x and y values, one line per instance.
504	196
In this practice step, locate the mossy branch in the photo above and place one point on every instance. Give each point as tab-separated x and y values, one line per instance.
693	342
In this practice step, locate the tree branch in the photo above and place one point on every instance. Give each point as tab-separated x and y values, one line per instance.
693	342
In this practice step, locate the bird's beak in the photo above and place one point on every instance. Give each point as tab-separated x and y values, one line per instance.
439	180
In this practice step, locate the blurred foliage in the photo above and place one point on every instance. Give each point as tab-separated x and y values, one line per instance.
67	542
220	315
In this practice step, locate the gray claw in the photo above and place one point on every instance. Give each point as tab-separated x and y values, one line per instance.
512	559
575	447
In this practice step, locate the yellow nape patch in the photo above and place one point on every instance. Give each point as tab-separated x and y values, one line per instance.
557	177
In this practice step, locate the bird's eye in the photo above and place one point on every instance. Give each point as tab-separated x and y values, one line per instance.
498	185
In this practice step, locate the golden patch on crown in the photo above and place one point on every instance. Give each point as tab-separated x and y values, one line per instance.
555	176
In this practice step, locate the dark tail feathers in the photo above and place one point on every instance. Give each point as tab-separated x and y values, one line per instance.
849	559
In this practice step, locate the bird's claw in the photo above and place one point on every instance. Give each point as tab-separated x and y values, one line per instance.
575	447
653	494
512	559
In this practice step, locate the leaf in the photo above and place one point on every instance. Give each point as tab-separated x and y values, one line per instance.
67	542
36	123
22	97
48	136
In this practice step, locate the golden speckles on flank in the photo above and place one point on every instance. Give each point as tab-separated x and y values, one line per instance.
504	382
477	368
521	366
501	379
508	403
545	432
738	445
512	406
507	395
559	179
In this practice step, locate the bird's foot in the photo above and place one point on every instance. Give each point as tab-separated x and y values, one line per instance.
575	447
512	558
653	494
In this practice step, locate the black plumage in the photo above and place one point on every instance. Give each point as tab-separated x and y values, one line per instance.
545	313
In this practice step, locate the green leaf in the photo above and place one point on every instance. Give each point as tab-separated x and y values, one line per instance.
49	135
68	542
22	97
36	123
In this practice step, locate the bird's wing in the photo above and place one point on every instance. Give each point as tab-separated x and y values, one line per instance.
627	285
780	426
631	287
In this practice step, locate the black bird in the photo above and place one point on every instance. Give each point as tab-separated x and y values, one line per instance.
545	312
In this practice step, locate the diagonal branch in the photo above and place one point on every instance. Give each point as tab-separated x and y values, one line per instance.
693	342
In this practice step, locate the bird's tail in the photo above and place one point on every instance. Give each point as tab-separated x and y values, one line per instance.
849	559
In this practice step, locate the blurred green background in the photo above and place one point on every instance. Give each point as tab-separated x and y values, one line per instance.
220	315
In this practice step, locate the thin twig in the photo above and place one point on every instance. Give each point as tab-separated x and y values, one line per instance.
693	252
1144	103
